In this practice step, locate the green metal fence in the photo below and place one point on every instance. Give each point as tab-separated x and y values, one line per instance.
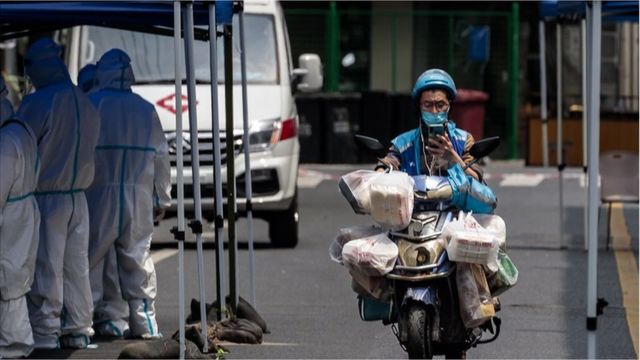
359	55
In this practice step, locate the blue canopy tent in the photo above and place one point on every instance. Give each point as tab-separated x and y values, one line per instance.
24	18
592	14
19	19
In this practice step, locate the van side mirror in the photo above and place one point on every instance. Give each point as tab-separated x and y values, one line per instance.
308	76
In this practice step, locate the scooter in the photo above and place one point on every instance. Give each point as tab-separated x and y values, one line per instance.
424	312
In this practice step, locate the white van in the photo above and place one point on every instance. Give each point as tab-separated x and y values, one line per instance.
273	118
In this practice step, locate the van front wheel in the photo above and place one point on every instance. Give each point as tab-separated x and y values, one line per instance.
283	226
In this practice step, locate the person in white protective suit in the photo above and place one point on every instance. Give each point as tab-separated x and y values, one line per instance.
105	282
19	223
87	78
67	127
132	180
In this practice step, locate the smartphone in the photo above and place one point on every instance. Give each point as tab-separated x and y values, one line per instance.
436	130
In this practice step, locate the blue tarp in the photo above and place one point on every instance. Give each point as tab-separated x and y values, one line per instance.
22	18
572	10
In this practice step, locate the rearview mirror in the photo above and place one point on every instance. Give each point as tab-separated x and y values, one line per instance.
484	147
309	73
371	145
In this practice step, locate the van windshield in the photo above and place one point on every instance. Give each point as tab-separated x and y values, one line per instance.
152	56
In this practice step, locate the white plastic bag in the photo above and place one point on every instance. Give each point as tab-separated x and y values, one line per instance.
476	306
469	242
495	224
392	200
347	234
374	255
354	186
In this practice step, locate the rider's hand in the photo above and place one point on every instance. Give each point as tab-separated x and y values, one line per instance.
440	147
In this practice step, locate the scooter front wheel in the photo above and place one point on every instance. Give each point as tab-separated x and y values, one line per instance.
419	331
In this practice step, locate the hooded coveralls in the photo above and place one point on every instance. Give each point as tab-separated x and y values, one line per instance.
133	177
19	223
105	283
87	78
66	126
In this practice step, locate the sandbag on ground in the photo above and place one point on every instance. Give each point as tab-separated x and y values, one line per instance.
243	311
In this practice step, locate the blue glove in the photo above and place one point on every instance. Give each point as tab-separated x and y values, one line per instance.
468	194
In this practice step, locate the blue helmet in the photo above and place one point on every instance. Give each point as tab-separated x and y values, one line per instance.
434	79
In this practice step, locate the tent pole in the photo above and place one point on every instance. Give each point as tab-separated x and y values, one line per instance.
247	161
594	151
583	34
559	137
179	230
231	176
217	163
543	95
195	225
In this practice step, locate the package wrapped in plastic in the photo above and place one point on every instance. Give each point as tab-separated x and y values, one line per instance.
377	287
374	255
476	305
392	200
469	242
354	186
495	224
506	276
347	234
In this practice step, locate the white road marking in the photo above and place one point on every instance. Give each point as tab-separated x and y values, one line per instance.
521	180
583	180
310	179
266	343
309	182
158	256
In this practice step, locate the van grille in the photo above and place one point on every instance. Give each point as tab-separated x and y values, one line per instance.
205	147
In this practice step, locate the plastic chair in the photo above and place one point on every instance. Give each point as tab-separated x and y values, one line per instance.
619	181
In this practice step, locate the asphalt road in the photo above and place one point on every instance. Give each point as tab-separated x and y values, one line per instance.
311	311
307	301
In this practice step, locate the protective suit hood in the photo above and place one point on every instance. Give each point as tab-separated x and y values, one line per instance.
114	71
43	64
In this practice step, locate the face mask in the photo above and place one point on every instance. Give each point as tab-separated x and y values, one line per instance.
431	119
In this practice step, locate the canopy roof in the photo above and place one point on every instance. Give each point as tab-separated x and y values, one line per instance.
24	18
611	10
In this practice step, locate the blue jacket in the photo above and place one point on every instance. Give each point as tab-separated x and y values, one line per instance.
408	145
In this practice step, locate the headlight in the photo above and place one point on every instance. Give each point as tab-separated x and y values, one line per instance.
265	134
